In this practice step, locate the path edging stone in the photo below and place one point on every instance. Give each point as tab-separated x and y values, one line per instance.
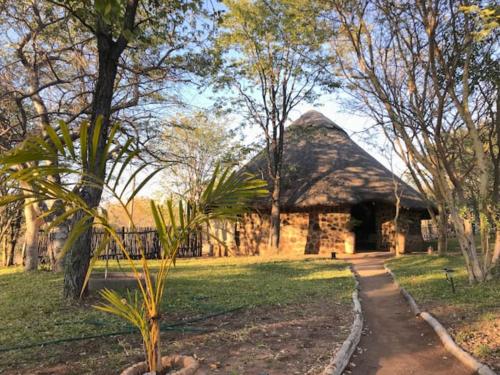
344	354
448	342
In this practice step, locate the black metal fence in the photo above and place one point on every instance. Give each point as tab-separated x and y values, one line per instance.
145	239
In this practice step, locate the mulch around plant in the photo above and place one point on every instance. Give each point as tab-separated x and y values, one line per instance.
394	341
288	339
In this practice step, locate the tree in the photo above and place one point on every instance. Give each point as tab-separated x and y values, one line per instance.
58	64
196	145
272	58
159	49
27	66
10	222
418	84
11	134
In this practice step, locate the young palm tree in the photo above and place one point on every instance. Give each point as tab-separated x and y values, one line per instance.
225	198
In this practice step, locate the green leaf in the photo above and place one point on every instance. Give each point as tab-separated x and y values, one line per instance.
141	185
83	143
67	138
55	140
96	135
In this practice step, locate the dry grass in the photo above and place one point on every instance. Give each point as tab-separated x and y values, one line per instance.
32	310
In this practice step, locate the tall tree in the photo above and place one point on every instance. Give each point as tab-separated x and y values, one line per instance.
272	58
195	145
128	34
411	65
50	66
40	79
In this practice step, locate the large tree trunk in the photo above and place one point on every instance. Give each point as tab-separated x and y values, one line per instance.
31	237
77	260
274	230
465	236
57	238
76	263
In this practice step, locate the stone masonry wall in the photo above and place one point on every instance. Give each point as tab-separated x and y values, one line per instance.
315	232
409	224
320	232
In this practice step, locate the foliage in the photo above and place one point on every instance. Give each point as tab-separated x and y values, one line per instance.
270	57
73	60
225	197
488	18
194	145
431	89
196	287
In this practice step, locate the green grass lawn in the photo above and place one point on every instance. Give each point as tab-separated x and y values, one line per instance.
472	313
32	310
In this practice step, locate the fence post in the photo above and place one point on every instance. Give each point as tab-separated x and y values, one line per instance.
122	235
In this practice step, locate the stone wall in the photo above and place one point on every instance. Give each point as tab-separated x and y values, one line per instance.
409	226
315	232
219	238
384	219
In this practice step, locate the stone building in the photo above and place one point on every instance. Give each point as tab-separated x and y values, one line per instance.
335	197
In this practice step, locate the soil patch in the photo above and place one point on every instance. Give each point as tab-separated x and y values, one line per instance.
287	339
478	336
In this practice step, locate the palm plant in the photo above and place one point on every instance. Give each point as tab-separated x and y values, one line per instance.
225	198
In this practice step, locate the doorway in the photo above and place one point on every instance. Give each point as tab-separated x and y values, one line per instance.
365	228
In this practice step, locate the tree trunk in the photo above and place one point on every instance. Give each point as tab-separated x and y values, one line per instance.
55	244
154	362
10	248
4	252
442	226
76	262
31	237
496	249
9	243
274	230
463	229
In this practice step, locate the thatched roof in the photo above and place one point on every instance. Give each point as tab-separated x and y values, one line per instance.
323	167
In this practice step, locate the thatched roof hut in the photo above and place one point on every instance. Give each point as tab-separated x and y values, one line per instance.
324	167
335	196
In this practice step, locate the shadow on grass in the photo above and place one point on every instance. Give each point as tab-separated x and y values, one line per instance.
32	308
424	278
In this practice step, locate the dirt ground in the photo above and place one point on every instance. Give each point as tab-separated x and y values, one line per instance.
292	339
481	337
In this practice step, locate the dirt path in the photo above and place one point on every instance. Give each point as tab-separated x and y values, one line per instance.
394	341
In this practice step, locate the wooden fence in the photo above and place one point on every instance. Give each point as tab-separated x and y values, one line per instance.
142	238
